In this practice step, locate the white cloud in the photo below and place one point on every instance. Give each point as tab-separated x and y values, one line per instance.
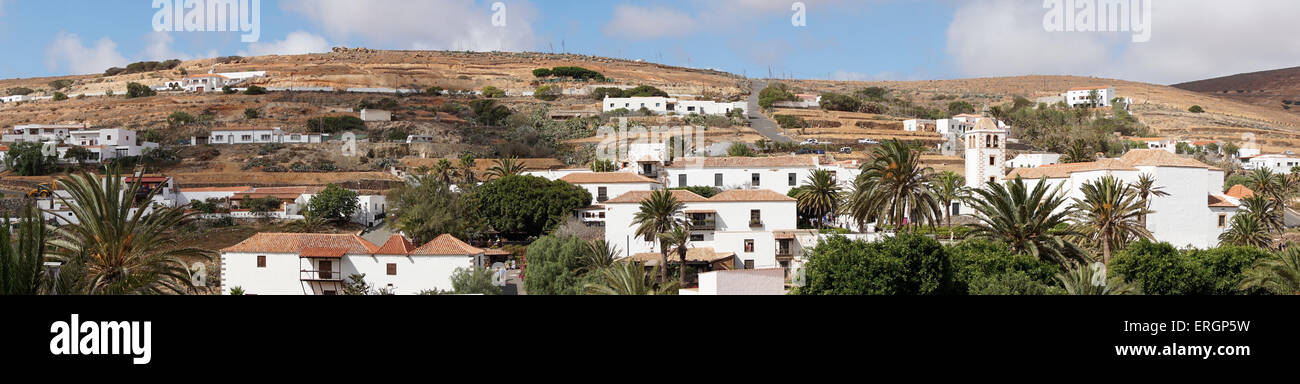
297	43
414	24
633	22
68	53
1190	40
158	47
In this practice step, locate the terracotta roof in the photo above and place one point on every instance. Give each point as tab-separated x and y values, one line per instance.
704	255
1240	191
635	197
1090	88
1147	138
1202	143
748	195
324	253
300	242
1134	158
606	178
1061	171
1221	202
447	245
497	252
396	245
745	162
217	189
146	179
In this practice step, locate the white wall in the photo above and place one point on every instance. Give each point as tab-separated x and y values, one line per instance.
776	179
765	282
732	229
414	273
282	274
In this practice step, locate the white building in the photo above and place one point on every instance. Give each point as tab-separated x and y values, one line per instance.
255	136
609	185
319	264
757	282
986	154
667	105
376	115
1160	143
751	229
1194	214
1277	163
104	144
1082	97
41	133
1034	160
952	130
214	82
780	174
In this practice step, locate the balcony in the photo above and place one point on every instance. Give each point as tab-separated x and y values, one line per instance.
334	275
756	223
704	225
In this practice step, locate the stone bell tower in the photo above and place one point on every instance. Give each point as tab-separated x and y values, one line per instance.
986	153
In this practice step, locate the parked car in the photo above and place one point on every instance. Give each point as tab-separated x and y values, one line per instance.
811	142
868	141
846	150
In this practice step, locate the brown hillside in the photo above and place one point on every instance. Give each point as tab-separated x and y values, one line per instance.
1269	89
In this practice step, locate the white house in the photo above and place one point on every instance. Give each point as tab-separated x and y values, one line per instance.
608	185
1034	160
376	115
104	144
667	105
1276	163
1077	97
952	130
1160	143
254	136
780	174
214	82
41	133
15	99
320	264
757	282
1194	214
749	229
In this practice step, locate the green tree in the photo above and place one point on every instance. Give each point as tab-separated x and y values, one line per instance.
893	188
554	266
644	91
78	153
425	208
1269	212
493	92
1109	215
1092	280
547	92
473	281
333	203
444	171
603	166
1147	189
1279	274
658	214
22	259
1248	231
255	90
740	149
488	112
122	243
134	90
820	197
542	72
28	159
906	265
525	206
773	93
1026	220
1226	267
467	168
1160	269
837	102
679	238
960	107
600	255
983	267
178	118
510	166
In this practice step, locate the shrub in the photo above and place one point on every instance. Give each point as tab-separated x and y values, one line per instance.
1160	269
60	84
577	73
434	91
603	92
228	90
975	260
255	90
1196	109
251	113
134	90
473	281
493	92
547	93
1225	267
644	91
1013	283
739	149
335	124
960	107
791	122
179	118
554	266
59	96
542	72
838	102
907	264
20	91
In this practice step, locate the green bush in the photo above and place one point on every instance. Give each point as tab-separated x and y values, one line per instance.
1013	283
982	260
960	107
335	124
60	96
1196	109
493	92
547	93
1225	267
739	149
526	206
837	102
644	91
775	92
61	84
134	90
255	90
791	122
542	72
553	266
179	118
1160	269
252	113
904	265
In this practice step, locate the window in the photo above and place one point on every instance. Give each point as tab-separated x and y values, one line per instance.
717	179
749	264
602	194
755	179
246	137
392	269
755	216
110	137
749	248
261	261
329	292
793	179
1223	220
992	161
697	238
266	137
993	179
681	180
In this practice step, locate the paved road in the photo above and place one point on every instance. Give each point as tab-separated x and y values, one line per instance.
760	123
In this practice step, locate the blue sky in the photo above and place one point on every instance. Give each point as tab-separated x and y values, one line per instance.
843	39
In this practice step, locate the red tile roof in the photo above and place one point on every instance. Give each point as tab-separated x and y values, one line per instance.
217	189
1240	191
746	162
636	197
447	245
750	195
606	178
1220	202
298	243
396	245
1134	158
324	253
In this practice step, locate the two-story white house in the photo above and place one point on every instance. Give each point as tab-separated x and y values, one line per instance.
780	174
1277	163
40	133
321	264
220	136
1083	96
737	225
214	82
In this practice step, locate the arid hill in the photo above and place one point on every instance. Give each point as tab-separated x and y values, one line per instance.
1277	89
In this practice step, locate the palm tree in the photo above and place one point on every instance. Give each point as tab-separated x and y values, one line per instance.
1026	220
949	187
1146	187
680	239
1091	280
893	188
123	245
467	168
1078	152
423	170
821	197
1109	215
1278	274
1264	181
309	224
1266	210
509	166
630	278
1246	230
444	171
599	255
21	264
658	215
